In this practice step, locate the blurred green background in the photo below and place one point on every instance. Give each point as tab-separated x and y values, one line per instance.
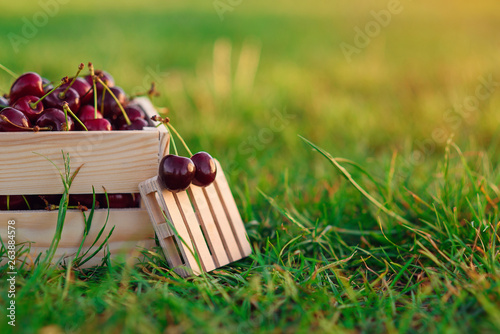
226	74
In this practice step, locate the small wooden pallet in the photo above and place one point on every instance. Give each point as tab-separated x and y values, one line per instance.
199	229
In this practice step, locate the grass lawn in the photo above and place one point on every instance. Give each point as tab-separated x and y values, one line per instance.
387	221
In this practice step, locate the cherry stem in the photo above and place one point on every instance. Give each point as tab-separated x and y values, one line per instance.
92	74
116	99
102	102
36	128
65	108
63	81
173	144
150	93
62	95
68	110
180	138
8	71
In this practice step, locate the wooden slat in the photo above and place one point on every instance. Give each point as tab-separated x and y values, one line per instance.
119	250
184	241
194	230
208	225
132	228
117	160
223	225
232	211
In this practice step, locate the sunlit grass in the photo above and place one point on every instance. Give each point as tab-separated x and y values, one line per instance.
418	254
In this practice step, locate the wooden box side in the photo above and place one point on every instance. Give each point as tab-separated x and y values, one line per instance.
35	229
116	160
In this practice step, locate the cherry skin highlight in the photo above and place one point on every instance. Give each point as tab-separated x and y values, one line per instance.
27	84
24	104
176	173
13	120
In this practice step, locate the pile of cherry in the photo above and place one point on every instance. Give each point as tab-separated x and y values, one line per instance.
90	103
93	102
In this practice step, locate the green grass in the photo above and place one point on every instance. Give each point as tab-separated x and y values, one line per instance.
416	250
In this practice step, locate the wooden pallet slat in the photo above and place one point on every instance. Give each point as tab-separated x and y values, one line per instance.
228	238
208	225
231	210
194	230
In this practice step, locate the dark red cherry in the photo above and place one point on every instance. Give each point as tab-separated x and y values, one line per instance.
47	85
176	173
4	103
133	113
122	201
137	124
43	202
109	106
27	84
100	124
104	76
88	112
36	202
12	202
55	119
13	120
56	99
206	169
84	90
25	104
84	200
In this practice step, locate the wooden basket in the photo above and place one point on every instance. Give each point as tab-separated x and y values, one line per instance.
116	160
